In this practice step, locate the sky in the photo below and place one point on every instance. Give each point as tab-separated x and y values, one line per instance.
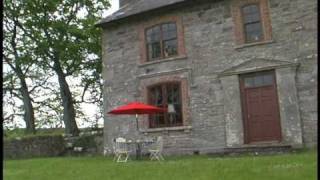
89	109
112	9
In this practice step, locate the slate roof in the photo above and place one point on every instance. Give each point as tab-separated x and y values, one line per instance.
137	7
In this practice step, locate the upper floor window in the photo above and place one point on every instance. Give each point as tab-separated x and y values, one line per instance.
166	95
252	23
161	41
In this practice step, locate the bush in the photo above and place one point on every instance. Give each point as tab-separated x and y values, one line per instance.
85	141
21	133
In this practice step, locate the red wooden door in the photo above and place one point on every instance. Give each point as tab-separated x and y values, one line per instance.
260	107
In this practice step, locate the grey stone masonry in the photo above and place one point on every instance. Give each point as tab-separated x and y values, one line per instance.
41	146
210	68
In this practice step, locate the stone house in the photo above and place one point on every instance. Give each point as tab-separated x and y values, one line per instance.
237	73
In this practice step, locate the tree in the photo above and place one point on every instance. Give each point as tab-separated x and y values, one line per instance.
66	41
10	101
20	61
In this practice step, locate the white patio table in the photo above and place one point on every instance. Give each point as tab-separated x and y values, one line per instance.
138	144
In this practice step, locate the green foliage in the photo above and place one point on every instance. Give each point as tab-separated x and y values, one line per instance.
32	137
64	30
86	141
21	133
294	166
55	36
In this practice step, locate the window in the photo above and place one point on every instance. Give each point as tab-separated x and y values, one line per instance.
258	79
161	41
252	23
166	95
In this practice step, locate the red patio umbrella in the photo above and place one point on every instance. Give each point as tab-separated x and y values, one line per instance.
137	108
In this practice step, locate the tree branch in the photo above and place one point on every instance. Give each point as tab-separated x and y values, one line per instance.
7	60
35	40
39	85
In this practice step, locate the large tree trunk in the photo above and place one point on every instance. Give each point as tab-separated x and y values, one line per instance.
69	113
27	104
28	108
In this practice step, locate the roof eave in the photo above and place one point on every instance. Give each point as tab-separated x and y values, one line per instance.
102	23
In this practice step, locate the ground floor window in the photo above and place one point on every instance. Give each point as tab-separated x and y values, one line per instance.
166	95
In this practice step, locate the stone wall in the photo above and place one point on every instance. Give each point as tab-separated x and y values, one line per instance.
86	144
53	145
210	49
40	146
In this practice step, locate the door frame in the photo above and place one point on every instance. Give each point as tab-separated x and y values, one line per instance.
244	106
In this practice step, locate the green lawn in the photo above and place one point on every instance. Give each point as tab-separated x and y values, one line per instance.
293	166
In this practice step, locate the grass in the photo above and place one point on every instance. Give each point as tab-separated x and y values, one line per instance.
293	166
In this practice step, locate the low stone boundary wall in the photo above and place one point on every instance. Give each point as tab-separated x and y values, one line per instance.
89	143
38	146
86	144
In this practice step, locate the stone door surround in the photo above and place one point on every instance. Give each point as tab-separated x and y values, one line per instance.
290	121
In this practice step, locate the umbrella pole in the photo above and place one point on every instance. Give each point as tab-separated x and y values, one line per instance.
137	122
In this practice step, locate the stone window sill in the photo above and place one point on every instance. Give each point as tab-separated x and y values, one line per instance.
166	129
253	44
181	57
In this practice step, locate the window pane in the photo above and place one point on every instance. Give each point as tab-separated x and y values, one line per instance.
155	95
253	32
153	40
165	27
173	94
158	96
169	94
249	82
154	51
169	27
156	99
250	9
178	115
148	34
253	27
176	94
170	47
153	34
175	117
169	35
160	119
169	31
250	18
268	79
258	81
156	120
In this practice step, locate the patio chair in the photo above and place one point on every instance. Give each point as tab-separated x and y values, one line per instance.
115	155
121	152
156	150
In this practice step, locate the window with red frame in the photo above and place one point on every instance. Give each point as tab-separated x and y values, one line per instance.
252	23
161	41
164	95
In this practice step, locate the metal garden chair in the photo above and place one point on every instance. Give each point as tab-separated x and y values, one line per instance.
121	152
156	150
